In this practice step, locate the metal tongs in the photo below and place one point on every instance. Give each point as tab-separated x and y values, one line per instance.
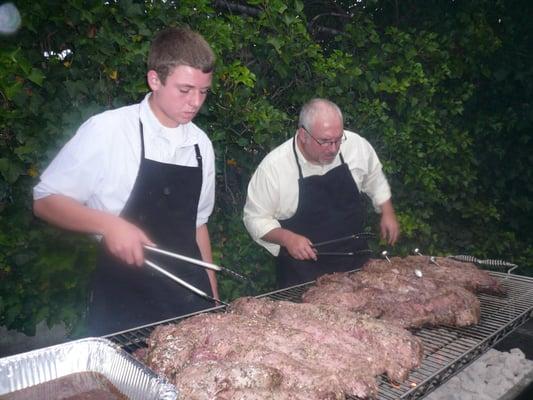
194	261
355	236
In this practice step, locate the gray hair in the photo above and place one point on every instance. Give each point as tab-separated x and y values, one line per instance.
312	108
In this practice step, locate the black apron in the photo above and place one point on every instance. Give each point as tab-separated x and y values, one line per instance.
329	207
164	204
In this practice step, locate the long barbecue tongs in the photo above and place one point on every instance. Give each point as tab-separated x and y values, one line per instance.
354	236
194	261
192	288
201	263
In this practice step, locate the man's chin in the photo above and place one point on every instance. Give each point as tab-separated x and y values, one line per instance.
327	161
188	117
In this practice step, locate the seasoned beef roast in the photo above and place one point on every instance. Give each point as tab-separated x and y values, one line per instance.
405	300
205	380
443	271
173	347
388	348
262	394
238	338
236	380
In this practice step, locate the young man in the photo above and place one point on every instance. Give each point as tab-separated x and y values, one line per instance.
308	190
142	175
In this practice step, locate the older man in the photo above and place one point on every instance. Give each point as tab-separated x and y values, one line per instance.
308	190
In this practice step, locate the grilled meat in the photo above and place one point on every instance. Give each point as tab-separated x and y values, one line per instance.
169	354
262	394
305	364
443	271
389	349
403	299
207	379
223	380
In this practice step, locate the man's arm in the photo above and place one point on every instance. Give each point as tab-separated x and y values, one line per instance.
262	203
123	239
298	246
390	229
204	244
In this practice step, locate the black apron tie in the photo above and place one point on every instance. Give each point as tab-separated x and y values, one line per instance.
329	207
164	204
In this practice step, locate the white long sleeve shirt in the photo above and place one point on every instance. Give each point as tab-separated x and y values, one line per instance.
98	166
273	189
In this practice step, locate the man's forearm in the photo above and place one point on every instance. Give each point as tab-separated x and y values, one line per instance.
298	246
278	236
67	213
204	244
390	229
387	208
123	239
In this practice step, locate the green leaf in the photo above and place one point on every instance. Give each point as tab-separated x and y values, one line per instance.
275	42
36	76
9	170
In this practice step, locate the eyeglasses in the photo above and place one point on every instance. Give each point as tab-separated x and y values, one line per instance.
325	143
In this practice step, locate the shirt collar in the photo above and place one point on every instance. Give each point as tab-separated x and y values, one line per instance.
181	136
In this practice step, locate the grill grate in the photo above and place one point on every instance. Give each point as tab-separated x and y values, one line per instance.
447	349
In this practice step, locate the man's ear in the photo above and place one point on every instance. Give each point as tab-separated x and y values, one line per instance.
302	137
153	80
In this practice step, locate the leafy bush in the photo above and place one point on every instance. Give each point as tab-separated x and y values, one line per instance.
429	86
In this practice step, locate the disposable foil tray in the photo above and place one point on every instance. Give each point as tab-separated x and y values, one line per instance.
132	378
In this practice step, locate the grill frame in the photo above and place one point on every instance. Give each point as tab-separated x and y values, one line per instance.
447	350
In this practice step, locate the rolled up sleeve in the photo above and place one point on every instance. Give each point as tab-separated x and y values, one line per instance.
76	169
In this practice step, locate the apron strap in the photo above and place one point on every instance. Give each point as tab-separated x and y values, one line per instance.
198	155
300	174
296	157
142	138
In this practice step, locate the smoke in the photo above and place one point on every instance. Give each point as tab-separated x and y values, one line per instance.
9	19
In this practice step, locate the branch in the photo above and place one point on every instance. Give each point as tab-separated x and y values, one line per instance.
227	5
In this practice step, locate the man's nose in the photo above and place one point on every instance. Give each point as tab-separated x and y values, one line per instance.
196	98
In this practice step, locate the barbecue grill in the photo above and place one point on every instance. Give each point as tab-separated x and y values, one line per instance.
447	350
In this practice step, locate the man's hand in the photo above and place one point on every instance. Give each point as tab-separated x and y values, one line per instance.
125	241
390	229
298	246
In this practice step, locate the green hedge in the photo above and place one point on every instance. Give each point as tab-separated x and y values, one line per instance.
429	85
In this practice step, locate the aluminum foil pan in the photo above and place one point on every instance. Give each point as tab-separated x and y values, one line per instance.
124	372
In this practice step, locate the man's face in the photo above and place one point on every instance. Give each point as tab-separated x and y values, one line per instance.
178	100
321	142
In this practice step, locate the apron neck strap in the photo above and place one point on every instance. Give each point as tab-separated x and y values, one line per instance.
196	147
198	155
296	157
141	130
298	162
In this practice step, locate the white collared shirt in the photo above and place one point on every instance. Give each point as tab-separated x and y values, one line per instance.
98	166
273	189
